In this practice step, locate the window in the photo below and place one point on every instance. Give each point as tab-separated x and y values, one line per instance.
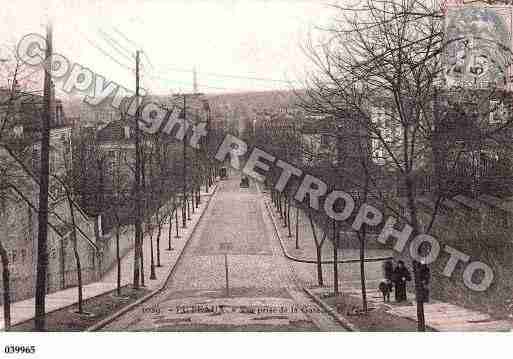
496	112
324	140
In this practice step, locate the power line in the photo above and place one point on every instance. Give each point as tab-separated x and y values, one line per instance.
214	74
168	80
105	53
127	54
188	83
132	43
126	38
152	74
148	58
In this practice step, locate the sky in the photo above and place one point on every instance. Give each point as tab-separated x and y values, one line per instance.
235	45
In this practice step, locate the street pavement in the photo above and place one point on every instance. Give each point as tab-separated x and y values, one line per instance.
264	289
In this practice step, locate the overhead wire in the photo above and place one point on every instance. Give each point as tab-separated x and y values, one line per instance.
105	53
214	74
173	69
124	52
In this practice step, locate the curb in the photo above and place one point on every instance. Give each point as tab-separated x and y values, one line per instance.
295	259
131	306
342	321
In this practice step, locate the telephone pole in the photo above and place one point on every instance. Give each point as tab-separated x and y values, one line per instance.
184	118
184	214
42	234
138	214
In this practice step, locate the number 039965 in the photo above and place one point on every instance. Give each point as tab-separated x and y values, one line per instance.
19	349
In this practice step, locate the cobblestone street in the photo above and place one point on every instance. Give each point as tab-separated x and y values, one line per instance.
263	285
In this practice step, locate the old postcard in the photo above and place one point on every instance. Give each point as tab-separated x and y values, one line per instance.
254	166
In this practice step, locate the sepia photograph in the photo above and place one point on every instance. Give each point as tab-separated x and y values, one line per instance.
199	173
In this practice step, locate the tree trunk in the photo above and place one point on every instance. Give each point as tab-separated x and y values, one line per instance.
184	212
207	180
288	217
335	257
319	265
118	261
193	198
75	252
79	276
318	249
152	259
169	248
7	287
141	260
421	320
137	260
297	227
362	238
176	223
158	245
285	219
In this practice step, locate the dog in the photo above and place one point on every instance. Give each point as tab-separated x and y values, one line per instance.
386	286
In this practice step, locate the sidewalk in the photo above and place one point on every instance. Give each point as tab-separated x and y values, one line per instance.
24	310
440	316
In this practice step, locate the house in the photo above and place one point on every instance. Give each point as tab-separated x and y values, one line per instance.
338	142
19	159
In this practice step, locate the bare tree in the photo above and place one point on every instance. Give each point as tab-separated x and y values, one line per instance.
6	274
385	61
319	242
120	197
17	100
75	249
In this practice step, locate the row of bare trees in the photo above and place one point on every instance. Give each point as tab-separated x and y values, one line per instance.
97	181
383	64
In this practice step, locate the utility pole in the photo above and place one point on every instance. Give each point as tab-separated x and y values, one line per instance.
138	215
184	214
42	234
185	203
207	157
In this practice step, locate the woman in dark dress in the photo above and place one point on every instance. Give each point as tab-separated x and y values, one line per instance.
388	270
401	276
386	285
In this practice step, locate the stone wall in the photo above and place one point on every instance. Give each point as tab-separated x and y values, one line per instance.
107	243
476	232
19	229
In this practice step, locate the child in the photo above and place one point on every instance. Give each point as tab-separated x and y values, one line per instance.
386	286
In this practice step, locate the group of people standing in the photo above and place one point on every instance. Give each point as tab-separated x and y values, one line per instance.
394	276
